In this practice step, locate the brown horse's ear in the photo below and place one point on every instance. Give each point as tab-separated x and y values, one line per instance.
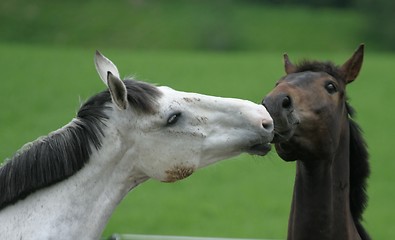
351	68
289	67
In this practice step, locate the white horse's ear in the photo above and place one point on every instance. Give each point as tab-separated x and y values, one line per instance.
118	91
103	66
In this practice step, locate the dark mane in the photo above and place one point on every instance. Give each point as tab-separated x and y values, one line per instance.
316	66
142	96
359	165
62	153
359	172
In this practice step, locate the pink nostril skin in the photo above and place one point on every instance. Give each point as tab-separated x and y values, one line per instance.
267	124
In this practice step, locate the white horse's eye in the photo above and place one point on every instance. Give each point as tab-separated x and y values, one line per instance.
173	119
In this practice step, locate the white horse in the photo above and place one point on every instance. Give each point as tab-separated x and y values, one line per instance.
66	185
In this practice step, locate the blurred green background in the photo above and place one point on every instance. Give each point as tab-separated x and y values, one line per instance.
220	47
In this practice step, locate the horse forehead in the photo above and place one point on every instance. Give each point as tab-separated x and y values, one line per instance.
305	79
171	96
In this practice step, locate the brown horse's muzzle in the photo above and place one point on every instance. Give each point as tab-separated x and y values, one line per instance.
280	107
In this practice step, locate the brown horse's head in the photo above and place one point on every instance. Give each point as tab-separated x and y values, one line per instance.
309	108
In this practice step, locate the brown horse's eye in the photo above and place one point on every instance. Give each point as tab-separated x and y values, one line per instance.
330	88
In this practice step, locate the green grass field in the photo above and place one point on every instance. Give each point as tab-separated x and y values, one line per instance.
180	24
246	197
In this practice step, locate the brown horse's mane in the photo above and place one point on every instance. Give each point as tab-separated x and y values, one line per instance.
359	172
359	165
317	66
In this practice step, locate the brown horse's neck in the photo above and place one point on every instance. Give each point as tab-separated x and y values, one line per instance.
320	205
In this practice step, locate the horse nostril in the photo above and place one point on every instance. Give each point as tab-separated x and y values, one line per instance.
287	103
268	125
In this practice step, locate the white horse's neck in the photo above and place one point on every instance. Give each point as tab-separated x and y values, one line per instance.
80	205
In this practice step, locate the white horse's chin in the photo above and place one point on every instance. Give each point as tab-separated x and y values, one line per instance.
260	149
178	172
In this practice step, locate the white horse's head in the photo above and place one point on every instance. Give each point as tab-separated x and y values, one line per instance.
176	132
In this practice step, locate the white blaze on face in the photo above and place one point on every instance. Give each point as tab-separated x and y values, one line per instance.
191	130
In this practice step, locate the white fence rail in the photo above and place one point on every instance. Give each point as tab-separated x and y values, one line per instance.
158	237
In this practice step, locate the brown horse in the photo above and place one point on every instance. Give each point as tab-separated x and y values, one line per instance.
313	125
